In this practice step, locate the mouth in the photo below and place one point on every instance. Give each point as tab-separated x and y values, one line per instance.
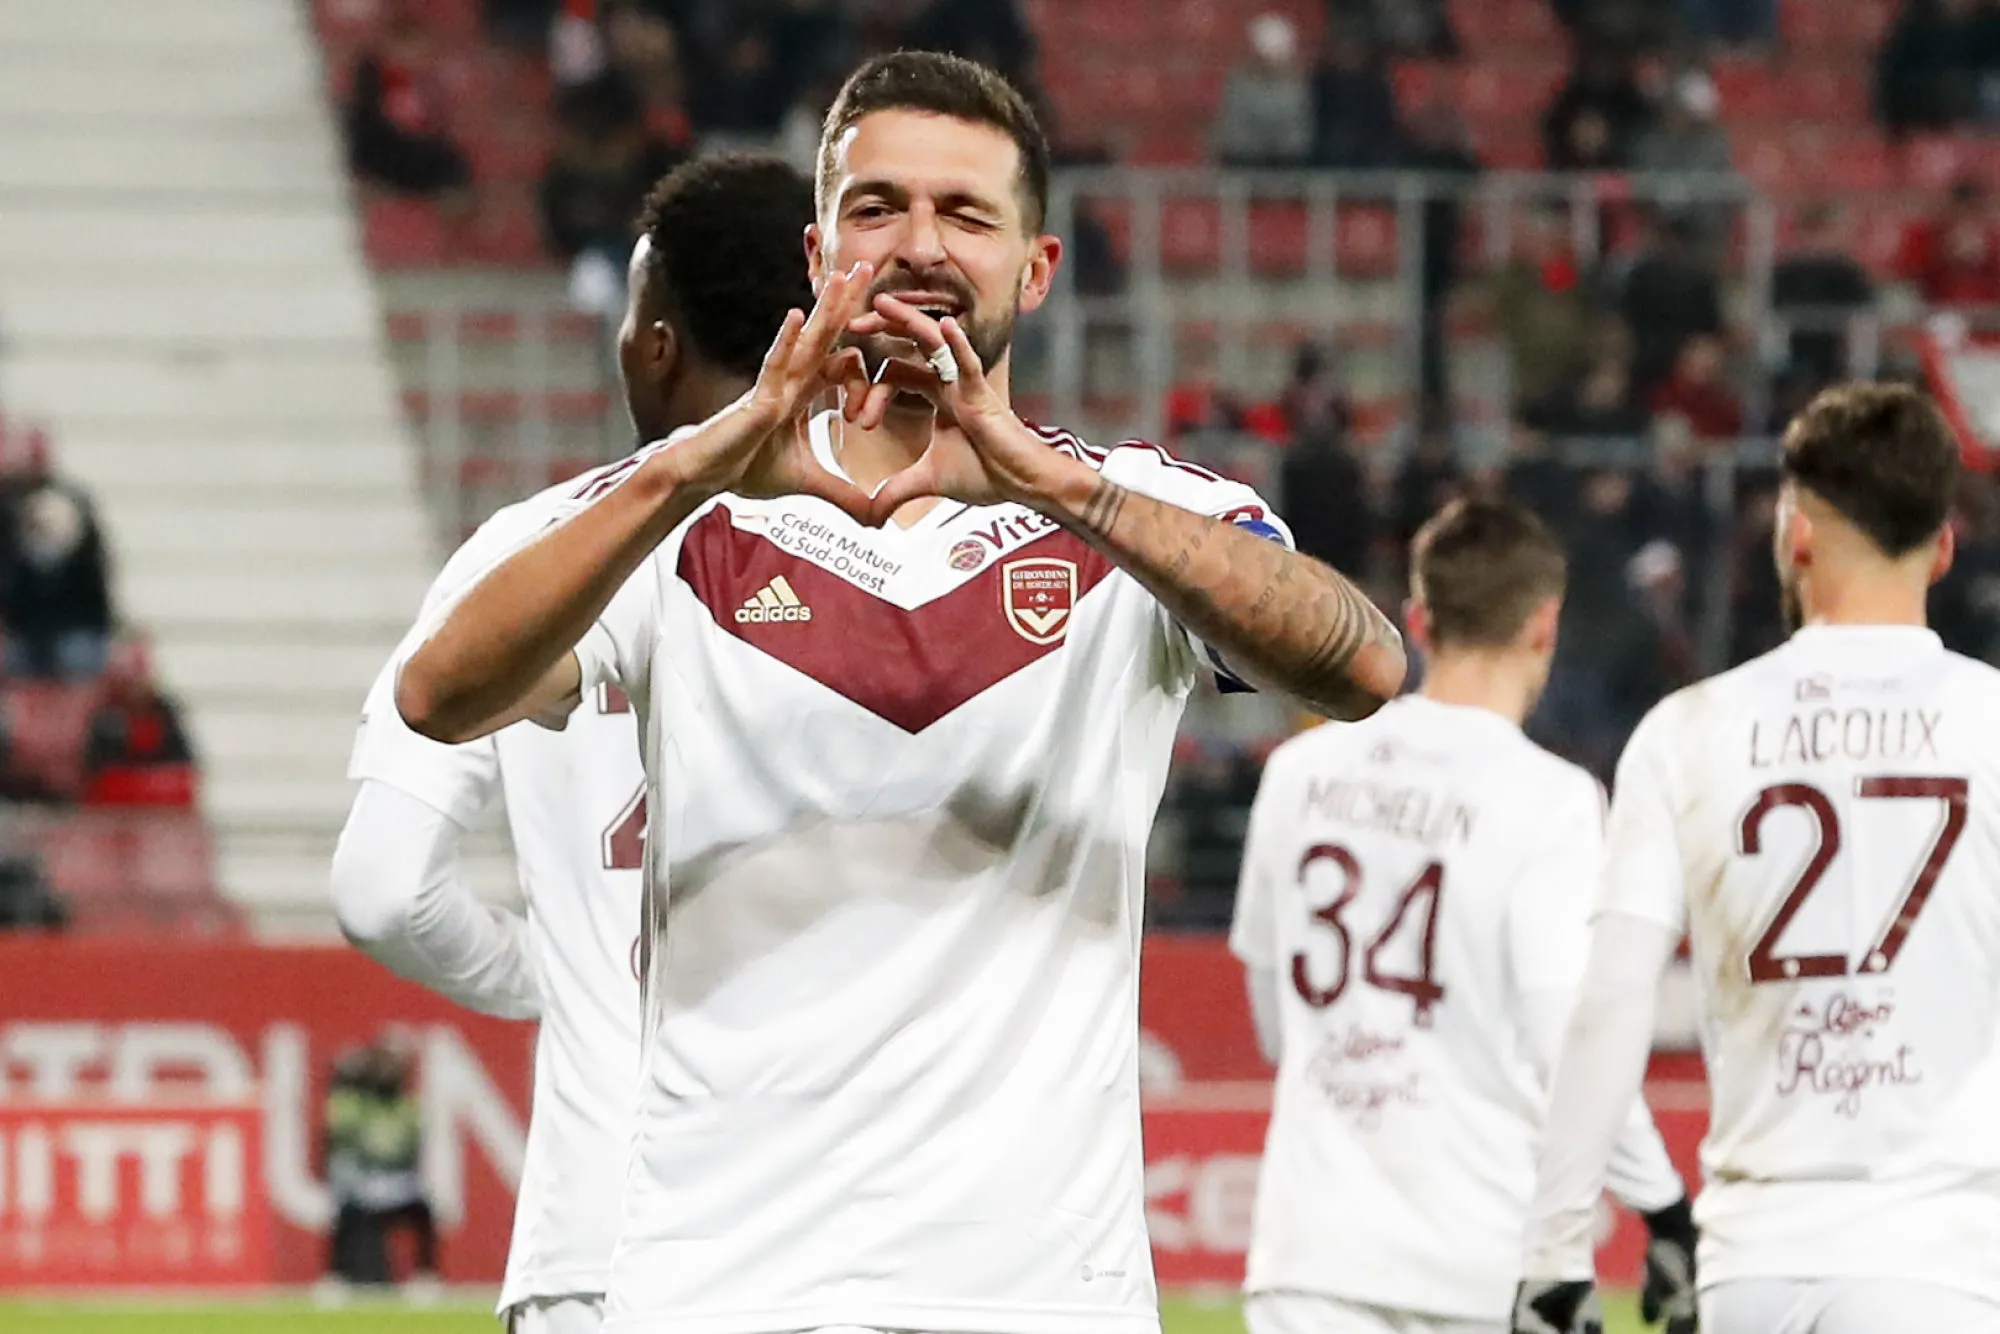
937	305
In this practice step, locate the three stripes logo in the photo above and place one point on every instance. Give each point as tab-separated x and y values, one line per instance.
775	601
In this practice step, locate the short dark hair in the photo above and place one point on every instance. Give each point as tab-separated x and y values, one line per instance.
1882	456
943	85
1481	567
727	257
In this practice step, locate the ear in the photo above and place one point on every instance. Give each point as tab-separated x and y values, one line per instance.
1947	551
663	351
1795	536
815	256
1041	271
1539	633
1417	624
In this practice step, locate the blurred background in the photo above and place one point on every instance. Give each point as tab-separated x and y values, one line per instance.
293	295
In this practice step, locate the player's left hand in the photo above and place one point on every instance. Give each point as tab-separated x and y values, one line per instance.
1557	1306
980	452
1669	1294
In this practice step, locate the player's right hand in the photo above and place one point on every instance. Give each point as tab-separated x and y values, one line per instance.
759	446
1557	1306
1669	1294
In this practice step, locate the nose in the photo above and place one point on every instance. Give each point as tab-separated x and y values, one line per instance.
923	241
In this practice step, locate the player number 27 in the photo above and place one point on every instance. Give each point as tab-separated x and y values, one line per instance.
1766	964
1423	988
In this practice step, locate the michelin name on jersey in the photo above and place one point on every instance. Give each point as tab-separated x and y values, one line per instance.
850	557
1415	813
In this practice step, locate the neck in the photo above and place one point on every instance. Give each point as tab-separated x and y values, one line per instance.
701	394
870	457
1500	681
1880	599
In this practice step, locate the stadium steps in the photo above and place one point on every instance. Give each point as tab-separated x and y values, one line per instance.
185	303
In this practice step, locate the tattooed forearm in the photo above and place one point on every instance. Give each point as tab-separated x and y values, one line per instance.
1100	512
1284	620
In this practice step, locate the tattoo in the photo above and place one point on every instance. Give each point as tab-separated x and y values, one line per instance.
1349	625
1101	511
1282	619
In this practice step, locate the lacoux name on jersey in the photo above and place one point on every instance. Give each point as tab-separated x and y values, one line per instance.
1415	813
846	555
1817	735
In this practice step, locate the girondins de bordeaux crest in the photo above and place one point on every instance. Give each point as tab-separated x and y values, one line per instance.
1038	594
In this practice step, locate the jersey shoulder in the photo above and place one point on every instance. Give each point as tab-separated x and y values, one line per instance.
1152	471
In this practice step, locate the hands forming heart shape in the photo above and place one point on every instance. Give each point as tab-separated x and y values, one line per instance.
979	453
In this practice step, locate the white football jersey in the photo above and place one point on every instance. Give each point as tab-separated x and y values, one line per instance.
902	782
1411	879
1825	820
575	803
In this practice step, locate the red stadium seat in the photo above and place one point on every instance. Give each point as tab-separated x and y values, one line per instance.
1932	162
1365	243
507	228
1277	236
1190	234
48	724
400	232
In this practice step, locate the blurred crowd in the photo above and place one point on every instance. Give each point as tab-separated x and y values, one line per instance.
1632	372
84	722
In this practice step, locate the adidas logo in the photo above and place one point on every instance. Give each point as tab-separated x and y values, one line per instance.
775	601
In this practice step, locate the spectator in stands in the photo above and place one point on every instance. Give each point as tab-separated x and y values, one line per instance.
1542	308
1816	292
1928	72
28	902
55	590
992	32
1670	503
1598	117
1597	407
1736	24
1354	108
577	50
646	52
1965	604
1698	393
1429	476
1399	27
1266	118
603	163
397	136
1321	485
1954	257
522	24
138	752
737	92
1534	475
1756	622
1669	295
1688	141
812	44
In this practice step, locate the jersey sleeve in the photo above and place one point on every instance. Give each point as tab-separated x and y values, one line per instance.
1548	914
1644	875
1151	471
618	648
1253	929
456	780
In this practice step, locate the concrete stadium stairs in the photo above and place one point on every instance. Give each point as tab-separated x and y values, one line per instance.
183	299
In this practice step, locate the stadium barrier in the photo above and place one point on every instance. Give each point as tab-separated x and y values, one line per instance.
160	1107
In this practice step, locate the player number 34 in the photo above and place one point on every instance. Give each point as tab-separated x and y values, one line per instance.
1422	987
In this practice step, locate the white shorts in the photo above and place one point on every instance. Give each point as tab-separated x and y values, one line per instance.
1843	1306
579	1313
1309	1313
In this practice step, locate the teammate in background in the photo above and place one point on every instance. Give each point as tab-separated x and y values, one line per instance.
1413	915
1822	821
716	267
901	777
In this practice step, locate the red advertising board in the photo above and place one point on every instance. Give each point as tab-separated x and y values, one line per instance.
121	1040
159	1194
